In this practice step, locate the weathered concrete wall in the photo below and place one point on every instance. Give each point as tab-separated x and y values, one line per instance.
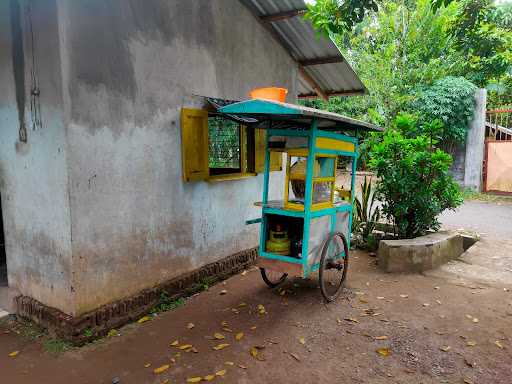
468	159
33	174
129	67
475	144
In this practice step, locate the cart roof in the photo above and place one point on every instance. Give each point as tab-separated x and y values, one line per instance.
295	115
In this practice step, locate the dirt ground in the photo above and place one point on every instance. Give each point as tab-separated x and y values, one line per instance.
451	325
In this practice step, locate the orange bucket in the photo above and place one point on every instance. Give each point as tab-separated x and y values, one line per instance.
269	93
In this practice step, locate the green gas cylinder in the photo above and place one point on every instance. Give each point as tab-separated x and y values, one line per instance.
278	242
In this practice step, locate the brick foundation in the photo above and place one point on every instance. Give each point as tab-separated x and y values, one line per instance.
124	311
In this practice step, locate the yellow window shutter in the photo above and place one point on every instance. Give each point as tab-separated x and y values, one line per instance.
276	158
194	144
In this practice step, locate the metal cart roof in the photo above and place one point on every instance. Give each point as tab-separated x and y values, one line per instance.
293	115
324	72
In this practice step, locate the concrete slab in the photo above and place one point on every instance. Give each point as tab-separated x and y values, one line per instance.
488	262
6	302
421	253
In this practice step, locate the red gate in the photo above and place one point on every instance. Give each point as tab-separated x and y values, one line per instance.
498	151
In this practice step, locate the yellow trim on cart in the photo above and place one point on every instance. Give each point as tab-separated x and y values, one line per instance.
333	144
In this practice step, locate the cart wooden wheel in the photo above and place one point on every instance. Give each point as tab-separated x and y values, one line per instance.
333	266
272	278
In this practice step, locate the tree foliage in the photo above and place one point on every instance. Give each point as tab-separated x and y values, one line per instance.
451	101
476	30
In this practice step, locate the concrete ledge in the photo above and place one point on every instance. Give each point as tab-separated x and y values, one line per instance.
419	254
99	322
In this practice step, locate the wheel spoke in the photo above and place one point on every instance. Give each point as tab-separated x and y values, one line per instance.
333	266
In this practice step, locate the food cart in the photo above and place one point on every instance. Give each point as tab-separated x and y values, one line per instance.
308	230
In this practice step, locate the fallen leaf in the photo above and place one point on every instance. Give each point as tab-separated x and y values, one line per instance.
404	296
498	344
220	346
239	336
209	377
475	320
351	320
385	352
190	325
439	302
144	319
194	379
175	343
253	327
241	305
261	309
112	333
471	343
294	356
426	304
436	287
220	373
14	354
467	381
364	301
381	338
469	363
185	346
161	369
242	366
469	317
147	365
380	297
302	340
445	348
218	336
223	292
229	363
255	353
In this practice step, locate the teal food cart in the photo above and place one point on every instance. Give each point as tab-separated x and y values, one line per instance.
308	230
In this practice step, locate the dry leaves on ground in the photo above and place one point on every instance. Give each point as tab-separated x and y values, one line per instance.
161	369
384	352
220	346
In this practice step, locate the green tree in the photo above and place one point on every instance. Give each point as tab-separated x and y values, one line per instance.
482	34
413	185
395	50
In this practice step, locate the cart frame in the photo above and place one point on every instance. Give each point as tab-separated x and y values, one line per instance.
308	213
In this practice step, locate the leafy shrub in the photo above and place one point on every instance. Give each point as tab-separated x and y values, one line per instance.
451	101
366	213
414	185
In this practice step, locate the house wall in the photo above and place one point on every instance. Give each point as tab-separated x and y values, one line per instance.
128	68
33	174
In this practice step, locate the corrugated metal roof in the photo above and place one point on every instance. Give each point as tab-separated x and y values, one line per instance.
274	110
283	18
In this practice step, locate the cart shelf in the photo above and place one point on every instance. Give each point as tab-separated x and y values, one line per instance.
276	207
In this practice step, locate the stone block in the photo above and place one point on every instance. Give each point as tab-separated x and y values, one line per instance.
421	253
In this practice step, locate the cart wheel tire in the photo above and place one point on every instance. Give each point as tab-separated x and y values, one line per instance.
333	269
271	278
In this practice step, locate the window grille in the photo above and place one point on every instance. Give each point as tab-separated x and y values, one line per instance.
223	143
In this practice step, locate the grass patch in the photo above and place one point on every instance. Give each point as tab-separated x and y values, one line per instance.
56	346
166	303
34	333
472	195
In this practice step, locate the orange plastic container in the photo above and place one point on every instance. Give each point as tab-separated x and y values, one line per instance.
269	93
